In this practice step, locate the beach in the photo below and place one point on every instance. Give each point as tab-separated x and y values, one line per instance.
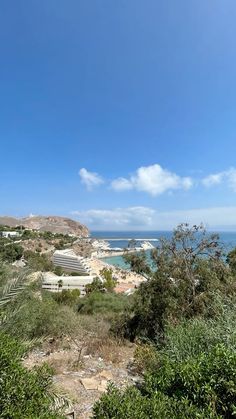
122	276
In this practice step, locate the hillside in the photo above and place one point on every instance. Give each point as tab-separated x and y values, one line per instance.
54	224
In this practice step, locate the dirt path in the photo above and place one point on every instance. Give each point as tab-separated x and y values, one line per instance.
85	382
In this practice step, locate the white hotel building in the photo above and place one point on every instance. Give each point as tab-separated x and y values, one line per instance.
69	261
54	283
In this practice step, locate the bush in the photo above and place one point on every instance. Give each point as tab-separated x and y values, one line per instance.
103	303
206	380
67	297
192	337
145	358
10	252
37	318
203	387
23	393
38	262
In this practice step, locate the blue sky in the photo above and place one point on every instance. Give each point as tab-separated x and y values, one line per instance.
141	95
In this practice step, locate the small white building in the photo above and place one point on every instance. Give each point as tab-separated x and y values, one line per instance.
7	234
69	261
55	283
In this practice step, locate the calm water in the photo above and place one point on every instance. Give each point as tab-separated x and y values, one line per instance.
228	239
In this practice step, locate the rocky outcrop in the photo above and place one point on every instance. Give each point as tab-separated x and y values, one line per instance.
53	223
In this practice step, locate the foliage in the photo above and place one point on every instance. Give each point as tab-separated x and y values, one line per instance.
202	387
29	234
189	271
38	262
145	358
231	260
58	270
67	297
108	280
103	303
35	318
107	283
23	393
10	252
95	286
137	262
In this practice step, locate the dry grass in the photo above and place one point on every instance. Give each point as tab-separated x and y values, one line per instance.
109	350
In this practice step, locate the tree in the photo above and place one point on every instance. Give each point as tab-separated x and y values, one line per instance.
60	283
38	262
11	252
189	269
109	282
231	260
67	297
95	286
137	262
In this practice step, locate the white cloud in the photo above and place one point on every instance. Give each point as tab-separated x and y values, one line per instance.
152	179
117	218
228	177
121	184
212	180
146	218
90	179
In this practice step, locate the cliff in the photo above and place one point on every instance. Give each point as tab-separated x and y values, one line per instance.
53	223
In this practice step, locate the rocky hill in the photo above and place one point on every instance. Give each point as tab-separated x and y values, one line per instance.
53	223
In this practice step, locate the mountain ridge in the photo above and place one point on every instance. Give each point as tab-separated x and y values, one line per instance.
53	223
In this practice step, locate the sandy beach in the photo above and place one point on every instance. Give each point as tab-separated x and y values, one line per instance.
122	275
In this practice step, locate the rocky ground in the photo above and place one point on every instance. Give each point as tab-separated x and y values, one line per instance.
83	379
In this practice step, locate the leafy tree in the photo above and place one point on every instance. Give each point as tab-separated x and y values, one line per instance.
137	262
38	262
58	270
67	297
189	269
95	286
106	284
108	280
10	252
231	260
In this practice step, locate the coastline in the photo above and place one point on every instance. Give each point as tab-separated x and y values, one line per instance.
122	276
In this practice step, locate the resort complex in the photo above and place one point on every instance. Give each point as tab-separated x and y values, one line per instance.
54	283
69	261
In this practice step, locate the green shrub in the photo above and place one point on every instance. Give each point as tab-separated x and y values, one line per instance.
192	337
131	404
103	303
207	380
10	252
23	393
37	318
145	358
38	262
67	297
203	387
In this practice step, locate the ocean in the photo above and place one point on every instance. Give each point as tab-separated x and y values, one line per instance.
121	239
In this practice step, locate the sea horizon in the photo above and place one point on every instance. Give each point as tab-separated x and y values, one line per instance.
226	238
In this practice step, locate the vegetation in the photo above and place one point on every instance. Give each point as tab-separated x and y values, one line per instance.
38	262
103	303
104	283
10	251
24	393
202	387
189	273
67	297
181	318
